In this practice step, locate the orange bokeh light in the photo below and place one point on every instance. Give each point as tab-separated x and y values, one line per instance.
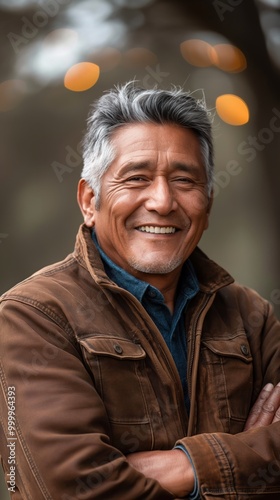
224	56
81	76
232	109
197	52
229	58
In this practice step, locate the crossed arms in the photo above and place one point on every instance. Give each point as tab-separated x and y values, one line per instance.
60	412
173	470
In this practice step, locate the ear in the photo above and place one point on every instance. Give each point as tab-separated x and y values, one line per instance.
86	201
209	206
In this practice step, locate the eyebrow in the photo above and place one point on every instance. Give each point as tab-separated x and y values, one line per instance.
133	166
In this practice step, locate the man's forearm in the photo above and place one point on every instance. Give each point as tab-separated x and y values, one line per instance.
174	471
170	468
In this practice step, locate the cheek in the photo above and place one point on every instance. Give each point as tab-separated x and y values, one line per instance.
111	224
122	212
196	204
119	201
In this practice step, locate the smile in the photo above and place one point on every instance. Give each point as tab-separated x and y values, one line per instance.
157	229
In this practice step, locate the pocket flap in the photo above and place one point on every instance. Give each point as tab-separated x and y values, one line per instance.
114	347
237	347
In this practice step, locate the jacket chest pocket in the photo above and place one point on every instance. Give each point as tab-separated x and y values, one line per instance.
119	371
226	382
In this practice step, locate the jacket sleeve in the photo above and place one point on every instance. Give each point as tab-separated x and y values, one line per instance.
61	449
244	465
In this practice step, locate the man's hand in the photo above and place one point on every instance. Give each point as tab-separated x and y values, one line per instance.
171	469
266	409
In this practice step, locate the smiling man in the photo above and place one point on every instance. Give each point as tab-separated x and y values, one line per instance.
154	203
141	370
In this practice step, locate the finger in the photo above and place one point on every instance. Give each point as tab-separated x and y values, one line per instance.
257	408
277	414
269	409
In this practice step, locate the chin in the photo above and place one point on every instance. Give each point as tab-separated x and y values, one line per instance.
156	267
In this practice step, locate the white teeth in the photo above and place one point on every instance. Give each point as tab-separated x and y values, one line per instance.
157	229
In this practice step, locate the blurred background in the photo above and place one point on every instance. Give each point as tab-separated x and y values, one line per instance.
57	56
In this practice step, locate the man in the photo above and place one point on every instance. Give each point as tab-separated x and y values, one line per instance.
139	369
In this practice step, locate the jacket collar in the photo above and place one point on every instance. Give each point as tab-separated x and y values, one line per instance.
210	275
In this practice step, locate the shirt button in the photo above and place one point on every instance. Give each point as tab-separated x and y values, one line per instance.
152	293
118	349
244	349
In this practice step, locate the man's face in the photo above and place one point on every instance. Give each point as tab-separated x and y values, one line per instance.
154	205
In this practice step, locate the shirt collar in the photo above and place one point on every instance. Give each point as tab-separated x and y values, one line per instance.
188	284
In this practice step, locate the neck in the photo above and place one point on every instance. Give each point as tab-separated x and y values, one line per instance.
165	283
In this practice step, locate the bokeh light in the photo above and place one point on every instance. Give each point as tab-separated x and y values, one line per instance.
108	58
232	109
81	76
48	58
229	58
132	4
270	22
17	4
61	36
273	4
197	52
203	54
139	56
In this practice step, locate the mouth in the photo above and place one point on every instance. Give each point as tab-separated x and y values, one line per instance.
157	229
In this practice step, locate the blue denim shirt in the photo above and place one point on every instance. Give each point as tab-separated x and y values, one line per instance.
170	325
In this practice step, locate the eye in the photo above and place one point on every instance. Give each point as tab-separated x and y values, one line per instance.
136	178
184	180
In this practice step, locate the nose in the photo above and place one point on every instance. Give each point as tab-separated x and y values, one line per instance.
160	197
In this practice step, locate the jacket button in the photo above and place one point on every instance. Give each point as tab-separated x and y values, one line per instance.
244	349
118	349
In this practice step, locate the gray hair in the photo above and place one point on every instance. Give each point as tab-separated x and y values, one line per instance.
129	103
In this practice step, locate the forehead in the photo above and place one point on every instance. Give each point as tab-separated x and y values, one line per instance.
150	138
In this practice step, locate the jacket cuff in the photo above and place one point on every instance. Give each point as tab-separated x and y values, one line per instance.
210	463
194	495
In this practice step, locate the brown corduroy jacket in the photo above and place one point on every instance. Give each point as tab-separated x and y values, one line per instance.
90	380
